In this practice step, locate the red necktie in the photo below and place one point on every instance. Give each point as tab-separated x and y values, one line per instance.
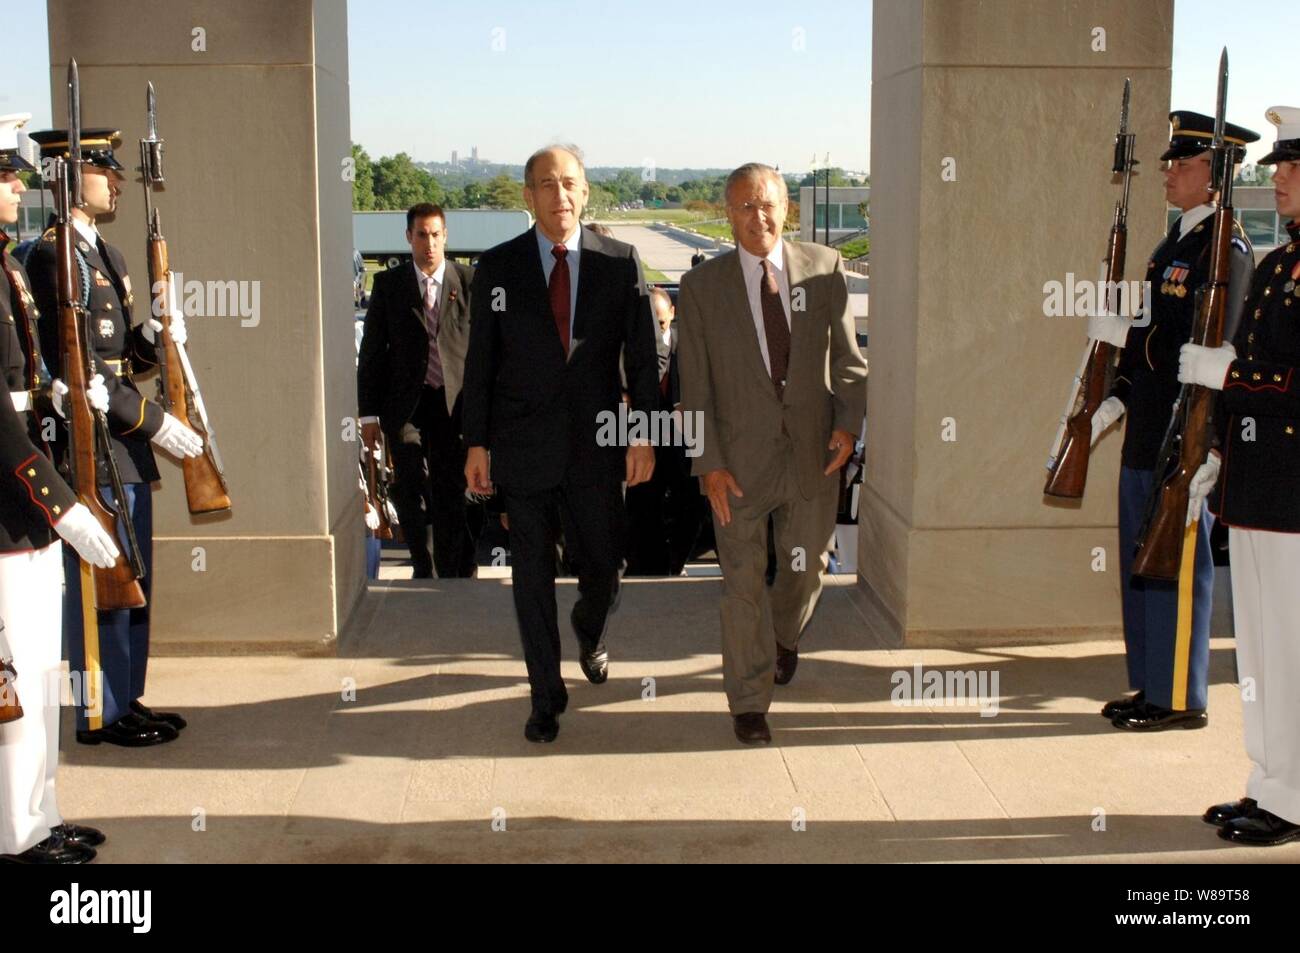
559	289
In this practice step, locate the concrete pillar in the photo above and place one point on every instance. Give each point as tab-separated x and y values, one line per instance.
253	105
1019	99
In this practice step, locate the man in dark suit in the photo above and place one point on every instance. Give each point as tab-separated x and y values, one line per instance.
409	374
552	309
664	514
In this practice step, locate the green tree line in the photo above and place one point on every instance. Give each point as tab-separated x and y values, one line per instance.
396	182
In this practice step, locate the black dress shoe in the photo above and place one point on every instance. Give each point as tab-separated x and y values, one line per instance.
55	849
1221	814
129	731
751	728
1149	717
541	727
1122	705
80	834
787	661
1260	828
595	664
148	714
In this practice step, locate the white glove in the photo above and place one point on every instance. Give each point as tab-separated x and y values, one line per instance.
1207	366
96	393
1111	328
153	328
1111	410
178	439
83	532
372	518
1207	474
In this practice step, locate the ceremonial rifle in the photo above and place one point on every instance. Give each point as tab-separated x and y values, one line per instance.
117	587
1187	440
178	390
378	477
1067	465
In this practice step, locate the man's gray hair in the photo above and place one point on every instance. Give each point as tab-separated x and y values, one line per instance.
568	147
753	170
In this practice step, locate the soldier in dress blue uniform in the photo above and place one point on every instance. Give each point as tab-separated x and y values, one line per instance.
121	349
1167	647
1258	498
36	508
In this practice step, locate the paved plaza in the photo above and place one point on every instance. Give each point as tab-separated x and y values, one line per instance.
405	743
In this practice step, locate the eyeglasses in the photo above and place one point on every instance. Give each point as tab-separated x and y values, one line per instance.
749	208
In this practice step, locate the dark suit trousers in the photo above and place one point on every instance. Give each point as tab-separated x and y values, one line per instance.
429	488
593	521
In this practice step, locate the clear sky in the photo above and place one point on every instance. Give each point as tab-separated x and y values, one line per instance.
634	81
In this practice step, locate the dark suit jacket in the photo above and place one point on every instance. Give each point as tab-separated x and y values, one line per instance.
535	411
394	354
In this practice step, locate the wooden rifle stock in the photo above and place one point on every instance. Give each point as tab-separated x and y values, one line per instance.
377	489
1068	474
205	487
117	587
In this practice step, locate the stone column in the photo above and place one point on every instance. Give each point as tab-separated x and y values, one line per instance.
253	105
991	141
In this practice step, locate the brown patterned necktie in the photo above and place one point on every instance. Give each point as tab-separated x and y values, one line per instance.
774	324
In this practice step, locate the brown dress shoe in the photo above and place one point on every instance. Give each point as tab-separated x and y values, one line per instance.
787	660
751	728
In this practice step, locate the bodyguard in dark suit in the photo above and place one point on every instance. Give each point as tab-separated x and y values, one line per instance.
553	308
409	374
665	513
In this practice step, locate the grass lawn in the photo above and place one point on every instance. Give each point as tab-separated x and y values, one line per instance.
652	276
856	248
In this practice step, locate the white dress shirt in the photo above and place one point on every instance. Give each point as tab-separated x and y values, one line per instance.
435	278
751	266
87	231
1193	217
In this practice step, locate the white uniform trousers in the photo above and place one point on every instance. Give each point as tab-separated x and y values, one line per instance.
1266	612
31	604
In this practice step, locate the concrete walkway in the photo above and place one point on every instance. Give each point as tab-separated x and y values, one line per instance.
658	250
283	762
